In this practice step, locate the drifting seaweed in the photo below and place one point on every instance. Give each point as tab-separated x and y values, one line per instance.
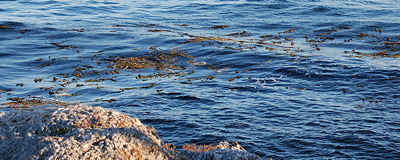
146	25
380	54
266	36
288	31
158	30
174	62
219	27
5	90
161	60
171	147
199	148
6	27
142	25
241	34
202	39
385	46
148	86
63	46
77	30
331	30
27	103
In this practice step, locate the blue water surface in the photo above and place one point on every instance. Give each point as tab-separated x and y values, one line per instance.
308	79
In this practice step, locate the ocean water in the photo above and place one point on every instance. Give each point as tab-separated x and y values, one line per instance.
287	79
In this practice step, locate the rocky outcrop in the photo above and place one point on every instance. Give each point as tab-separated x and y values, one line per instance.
85	132
224	151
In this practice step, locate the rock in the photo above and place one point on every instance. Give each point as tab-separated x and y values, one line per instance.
78	132
225	151
85	132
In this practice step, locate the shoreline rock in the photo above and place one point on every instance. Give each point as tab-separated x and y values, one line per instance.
85	132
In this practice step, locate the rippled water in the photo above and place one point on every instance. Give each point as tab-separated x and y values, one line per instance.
323	84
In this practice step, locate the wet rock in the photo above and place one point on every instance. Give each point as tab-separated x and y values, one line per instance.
225	151
84	132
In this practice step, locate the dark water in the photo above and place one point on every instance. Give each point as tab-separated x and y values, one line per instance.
332	95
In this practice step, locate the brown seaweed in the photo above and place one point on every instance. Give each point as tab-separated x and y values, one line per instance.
26	103
219	27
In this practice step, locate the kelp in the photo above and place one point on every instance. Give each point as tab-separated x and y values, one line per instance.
240	34
386	47
379	54
77	30
158	59
158	30
4	27
130	88
60	46
27	103
219	27
330	31
202	39
288	31
200	148
174	62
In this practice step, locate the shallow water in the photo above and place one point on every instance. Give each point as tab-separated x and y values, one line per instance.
334	94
